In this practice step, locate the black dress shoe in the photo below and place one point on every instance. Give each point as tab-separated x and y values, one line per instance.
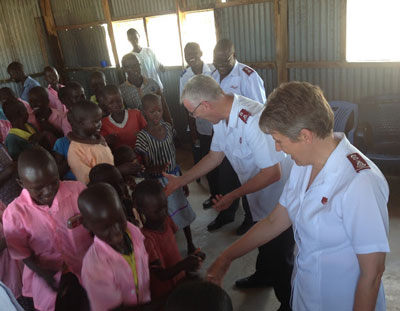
253	281
217	223
244	227
208	203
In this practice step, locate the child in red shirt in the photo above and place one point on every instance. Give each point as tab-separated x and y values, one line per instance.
121	126
167	267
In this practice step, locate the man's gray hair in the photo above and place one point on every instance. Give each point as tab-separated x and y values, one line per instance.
201	88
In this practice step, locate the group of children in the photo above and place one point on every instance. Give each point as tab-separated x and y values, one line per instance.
80	231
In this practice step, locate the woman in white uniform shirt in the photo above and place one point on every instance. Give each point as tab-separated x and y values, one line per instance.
336	200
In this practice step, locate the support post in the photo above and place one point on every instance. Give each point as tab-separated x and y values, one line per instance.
281	39
107	14
181	18
54	41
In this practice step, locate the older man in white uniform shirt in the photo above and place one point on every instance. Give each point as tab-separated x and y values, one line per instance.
234	78
261	169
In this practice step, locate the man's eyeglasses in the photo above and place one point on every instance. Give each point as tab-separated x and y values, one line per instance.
191	113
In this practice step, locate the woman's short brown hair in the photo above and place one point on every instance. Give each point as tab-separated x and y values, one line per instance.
294	106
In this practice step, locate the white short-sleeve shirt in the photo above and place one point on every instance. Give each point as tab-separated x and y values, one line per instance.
342	214
204	127
242	80
149	65
249	150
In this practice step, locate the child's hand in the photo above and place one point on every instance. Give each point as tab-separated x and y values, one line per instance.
191	263
130	168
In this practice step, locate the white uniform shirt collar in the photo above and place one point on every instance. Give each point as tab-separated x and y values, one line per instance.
338	156
234	114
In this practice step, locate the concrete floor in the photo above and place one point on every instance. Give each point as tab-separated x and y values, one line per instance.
212	243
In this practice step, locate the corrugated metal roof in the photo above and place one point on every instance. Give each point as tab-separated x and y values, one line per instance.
124	8
314	30
75	12
84	47
351	84
251	28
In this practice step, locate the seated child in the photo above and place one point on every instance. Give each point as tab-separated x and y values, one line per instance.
124	155
52	77
7	94
88	148
71	94
49	119
155	144
121	126
167	267
22	135
35	227
60	154
97	82
115	270
109	174
199	296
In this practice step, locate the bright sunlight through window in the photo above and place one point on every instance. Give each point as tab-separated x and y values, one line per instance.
121	39
164	39
373	31
200	27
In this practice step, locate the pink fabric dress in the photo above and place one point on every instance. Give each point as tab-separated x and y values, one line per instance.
59	120
55	103
5	126
41	230
10	269
107	276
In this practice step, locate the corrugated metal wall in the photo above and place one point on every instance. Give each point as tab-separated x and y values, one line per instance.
85	47
18	37
351	84
123	8
315	30
73	12
251	29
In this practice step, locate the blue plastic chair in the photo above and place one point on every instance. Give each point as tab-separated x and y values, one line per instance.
379	134
345	113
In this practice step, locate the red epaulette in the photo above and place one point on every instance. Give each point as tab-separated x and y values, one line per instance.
248	70
358	162
244	115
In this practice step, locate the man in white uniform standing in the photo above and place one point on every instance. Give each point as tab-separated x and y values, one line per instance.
262	170
234	78
201	129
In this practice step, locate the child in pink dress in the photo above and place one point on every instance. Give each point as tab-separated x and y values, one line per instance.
115	271
35	228
49	119
52	77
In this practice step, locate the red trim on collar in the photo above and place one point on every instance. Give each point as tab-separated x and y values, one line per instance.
358	162
244	115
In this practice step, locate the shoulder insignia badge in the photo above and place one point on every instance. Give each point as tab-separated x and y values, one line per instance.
248	70
244	115
358	162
